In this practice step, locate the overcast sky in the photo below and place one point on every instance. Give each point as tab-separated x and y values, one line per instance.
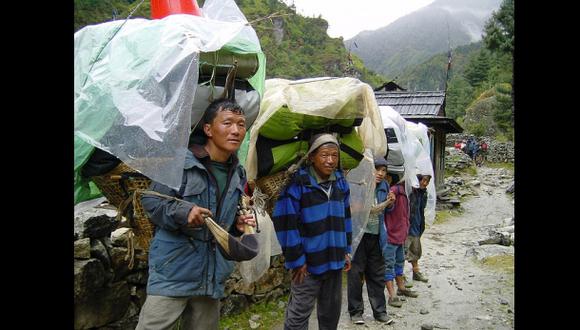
346	18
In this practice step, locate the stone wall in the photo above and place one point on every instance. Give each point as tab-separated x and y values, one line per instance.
498	152
109	295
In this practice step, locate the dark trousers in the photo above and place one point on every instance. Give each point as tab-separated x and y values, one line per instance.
367	263
326	291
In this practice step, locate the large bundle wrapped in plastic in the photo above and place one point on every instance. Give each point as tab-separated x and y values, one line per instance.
291	111
419	138
411	141
138	91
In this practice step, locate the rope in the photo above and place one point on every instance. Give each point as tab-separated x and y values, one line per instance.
260	199
130	249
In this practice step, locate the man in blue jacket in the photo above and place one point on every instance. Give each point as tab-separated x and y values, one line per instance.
187	270
313	225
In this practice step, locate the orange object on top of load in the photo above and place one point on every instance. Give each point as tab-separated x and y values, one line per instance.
162	8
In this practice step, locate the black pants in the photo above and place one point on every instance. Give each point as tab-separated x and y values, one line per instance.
368	262
326	291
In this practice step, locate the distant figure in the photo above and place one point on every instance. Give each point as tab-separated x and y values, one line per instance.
483	146
472	147
463	146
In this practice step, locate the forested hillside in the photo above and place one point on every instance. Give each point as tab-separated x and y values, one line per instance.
479	90
295	46
414	38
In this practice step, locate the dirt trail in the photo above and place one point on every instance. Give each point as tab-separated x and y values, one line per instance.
462	293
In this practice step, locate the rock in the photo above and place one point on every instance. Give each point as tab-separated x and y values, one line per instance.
119	237
503	301
99	251
427	327
234	304
254	325
423	311
94	227
485	251
102	307
244	288
88	278
255	317
82	248
484	317
281	305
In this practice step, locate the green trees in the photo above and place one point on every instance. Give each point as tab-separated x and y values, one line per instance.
295	46
499	30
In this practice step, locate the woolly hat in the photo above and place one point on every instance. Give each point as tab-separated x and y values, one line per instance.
396	169
320	139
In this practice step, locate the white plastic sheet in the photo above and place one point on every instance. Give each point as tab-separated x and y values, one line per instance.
420	139
361	181
415	145
134	86
268	244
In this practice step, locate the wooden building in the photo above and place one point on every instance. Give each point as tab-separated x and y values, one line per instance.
422	107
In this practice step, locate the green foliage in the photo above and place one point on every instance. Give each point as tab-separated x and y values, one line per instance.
295	46
270	316
499	29
478	68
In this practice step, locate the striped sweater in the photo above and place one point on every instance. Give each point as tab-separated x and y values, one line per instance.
313	227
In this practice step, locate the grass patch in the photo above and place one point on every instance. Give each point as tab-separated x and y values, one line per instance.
442	216
507	166
502	262
270	316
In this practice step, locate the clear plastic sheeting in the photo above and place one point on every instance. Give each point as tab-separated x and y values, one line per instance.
423	164
333	98
361	181
391	118
253	269
135	81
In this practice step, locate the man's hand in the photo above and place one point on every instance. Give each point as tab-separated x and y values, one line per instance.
196	216
247	219
298	274
346	262
391	199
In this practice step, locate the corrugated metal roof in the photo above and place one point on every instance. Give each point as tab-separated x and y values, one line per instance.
412	103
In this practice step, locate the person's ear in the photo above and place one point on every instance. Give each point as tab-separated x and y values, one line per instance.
207	130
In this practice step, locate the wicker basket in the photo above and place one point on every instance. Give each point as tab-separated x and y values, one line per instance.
118	186
272	185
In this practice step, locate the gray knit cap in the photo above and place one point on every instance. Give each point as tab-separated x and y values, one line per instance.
320	139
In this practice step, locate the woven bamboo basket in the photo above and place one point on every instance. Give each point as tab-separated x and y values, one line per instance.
118	186
272	185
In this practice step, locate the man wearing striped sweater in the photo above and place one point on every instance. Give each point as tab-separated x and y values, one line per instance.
314	228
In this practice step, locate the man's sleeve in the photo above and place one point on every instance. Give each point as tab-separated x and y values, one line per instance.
286	219
347	219
166	213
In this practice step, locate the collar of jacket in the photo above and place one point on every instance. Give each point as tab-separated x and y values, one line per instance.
200	157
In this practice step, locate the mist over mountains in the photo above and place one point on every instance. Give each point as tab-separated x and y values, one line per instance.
416	37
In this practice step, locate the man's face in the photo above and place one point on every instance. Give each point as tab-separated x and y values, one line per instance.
227	130
424	182
380	173
325	160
